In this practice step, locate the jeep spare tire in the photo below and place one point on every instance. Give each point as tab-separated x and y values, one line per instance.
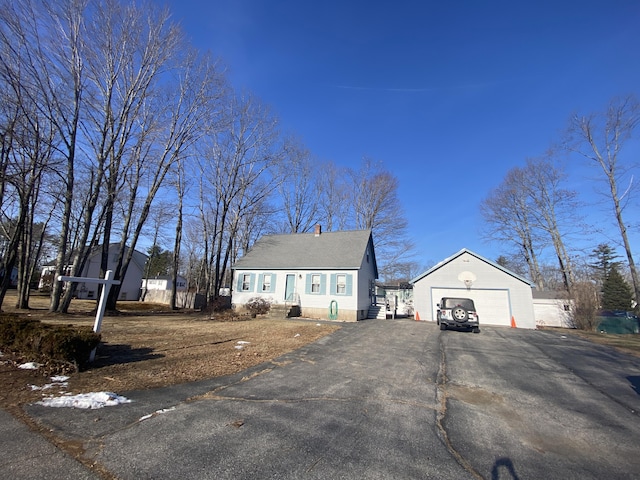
459	314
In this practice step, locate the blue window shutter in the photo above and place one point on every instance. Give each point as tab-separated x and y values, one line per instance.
349	282
260	281
239	284
273	283
323	284
333	289
307	286
252	282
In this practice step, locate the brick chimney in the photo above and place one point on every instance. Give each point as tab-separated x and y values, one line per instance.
318	229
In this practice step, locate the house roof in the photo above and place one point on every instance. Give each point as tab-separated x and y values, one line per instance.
343	250
463	251
550	294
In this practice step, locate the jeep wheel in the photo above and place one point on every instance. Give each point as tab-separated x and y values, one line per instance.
443	326
476	330
459	314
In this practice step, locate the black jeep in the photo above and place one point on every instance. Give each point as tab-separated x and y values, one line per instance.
458	312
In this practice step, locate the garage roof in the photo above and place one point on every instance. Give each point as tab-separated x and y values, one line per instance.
479	257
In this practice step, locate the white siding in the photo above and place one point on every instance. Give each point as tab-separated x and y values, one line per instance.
551	313
346	302
129	288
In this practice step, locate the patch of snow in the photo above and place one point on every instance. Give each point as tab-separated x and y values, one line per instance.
296	335
85	400
157	412
242	342
238	347
59	381
29	366
48	386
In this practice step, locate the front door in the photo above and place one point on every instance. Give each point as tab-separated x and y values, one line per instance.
290	287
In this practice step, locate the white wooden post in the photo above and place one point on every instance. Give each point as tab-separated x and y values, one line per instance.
107	281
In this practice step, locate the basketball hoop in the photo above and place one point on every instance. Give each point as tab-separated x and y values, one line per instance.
467	278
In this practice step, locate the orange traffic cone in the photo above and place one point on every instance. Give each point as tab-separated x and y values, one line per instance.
513	322
417	316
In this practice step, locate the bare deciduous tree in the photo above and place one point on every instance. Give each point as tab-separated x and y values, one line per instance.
508	219
376	207
553	210
333	197
600	138
234	182
297	186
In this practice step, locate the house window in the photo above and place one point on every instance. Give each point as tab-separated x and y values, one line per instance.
266	282
315	283
246	282
341	284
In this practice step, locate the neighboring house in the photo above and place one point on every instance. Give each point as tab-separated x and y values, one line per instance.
552	309
130	286
500	296
164	282
326	275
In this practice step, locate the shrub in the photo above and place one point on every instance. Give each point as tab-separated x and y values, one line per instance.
58	343
584	308
258	306
220	304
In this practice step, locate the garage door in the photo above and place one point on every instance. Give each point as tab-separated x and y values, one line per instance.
492	305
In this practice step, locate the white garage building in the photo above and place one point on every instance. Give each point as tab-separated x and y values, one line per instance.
500	295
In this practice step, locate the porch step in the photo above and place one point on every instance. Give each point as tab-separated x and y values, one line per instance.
377	311
283	311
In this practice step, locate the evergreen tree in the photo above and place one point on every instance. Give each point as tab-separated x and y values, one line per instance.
616	293
159	262
604	261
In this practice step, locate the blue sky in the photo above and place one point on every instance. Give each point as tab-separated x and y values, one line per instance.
448	95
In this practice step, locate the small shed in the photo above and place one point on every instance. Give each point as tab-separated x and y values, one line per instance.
552	309
163	282
501	296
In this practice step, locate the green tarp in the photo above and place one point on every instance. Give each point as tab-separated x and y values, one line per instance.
618	325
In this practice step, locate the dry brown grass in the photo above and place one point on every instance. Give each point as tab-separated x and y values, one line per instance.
628	343
147	346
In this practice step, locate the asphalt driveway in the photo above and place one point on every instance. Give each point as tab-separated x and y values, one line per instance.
393	399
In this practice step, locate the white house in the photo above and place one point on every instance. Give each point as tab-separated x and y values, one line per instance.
130	286
163	282
327	275
500	296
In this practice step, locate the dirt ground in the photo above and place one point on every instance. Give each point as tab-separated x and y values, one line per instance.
147	346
